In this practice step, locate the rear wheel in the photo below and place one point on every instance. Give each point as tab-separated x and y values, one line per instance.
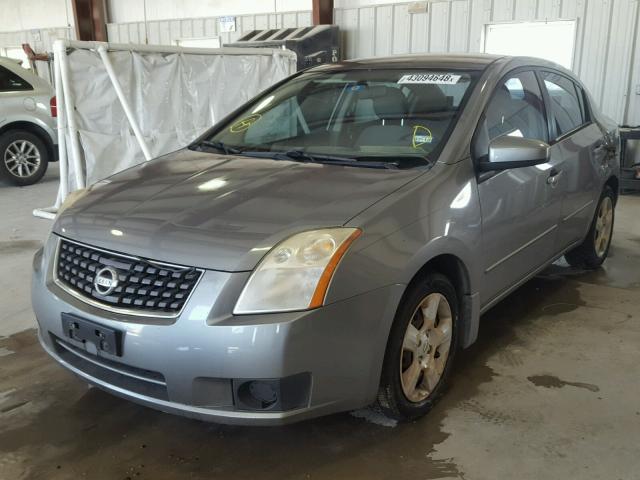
595	248
422	344
23	157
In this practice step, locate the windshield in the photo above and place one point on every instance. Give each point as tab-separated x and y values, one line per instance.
398	116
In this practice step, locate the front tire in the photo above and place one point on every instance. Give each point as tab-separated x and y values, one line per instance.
421	349
595	248
23	157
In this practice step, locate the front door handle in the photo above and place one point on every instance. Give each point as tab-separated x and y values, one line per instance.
552	179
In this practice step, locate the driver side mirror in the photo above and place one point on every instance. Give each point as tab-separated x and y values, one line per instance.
514	152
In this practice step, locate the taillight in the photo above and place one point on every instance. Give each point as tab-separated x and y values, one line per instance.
54	107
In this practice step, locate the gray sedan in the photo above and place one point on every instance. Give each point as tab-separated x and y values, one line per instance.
332	243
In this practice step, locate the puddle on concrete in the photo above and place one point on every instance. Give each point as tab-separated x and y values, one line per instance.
559	308
11	247
5	351
551	381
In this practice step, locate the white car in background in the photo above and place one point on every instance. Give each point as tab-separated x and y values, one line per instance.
28	139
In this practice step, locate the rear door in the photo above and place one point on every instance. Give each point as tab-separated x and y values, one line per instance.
577	148
520	206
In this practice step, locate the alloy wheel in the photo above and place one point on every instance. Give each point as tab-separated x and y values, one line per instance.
22	158
425	348
604	226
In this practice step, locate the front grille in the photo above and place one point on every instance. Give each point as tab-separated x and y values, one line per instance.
143	287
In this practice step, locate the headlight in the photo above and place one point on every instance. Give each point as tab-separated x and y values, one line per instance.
72	198
296	273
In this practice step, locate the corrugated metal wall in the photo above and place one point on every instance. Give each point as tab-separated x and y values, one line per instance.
607	50
605	58
166	32
41	40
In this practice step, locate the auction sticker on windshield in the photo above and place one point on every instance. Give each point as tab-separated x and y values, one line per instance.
431	78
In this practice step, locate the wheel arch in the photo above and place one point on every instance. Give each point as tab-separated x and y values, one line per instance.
35	129
614	183
457	271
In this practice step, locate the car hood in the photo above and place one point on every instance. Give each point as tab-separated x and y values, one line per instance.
220	212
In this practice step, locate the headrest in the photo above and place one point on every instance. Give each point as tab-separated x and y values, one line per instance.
389	103
429	98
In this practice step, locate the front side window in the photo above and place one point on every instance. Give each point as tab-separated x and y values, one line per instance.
566	108
384	115
10	82
517	109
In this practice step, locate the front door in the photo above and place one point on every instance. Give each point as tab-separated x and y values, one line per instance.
520	206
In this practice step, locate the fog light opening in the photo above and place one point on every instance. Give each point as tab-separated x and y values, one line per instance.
258	394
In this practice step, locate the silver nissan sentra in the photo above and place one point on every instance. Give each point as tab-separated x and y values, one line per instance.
332	243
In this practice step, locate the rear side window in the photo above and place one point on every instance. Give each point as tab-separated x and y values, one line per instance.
566	108
10	82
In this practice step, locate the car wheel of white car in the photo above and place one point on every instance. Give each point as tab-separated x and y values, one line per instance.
595	248
23	157
421	348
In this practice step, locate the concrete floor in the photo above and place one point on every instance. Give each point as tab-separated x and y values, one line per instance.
549	391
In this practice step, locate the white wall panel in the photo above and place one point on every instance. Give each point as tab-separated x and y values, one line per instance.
166	32
130	11
401	29
597	22
525	10
607	37
21	15
439	27
606	57
480	16
572	8
459	27
419	33
384	30
549	9
632	111
367	31
350	27
502	10
615	94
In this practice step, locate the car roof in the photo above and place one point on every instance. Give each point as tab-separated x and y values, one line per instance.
453	61
477	61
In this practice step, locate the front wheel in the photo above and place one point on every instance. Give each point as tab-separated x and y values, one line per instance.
595	248
420	351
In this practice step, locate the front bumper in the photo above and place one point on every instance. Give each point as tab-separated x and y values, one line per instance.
193	365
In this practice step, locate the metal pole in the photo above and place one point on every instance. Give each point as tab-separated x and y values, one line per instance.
60	50
128	47
62	143
124	102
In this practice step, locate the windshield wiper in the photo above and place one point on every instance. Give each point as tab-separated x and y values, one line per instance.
304	157
226	149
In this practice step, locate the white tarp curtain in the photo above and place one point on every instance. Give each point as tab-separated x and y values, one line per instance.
174	96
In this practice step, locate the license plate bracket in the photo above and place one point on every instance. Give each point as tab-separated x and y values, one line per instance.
104	339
